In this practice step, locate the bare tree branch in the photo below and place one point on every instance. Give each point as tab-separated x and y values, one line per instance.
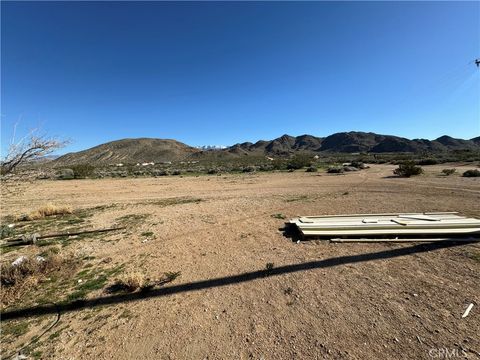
15	170
29	149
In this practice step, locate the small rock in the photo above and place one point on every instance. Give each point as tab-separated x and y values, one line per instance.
19	260
19	357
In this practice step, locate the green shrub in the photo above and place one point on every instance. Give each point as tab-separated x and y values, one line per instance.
427	162
248	169
311	169
299	161
358	164
65	174
6	231
448	172
334	170
160	172
408	169
279	164
82	171
471	173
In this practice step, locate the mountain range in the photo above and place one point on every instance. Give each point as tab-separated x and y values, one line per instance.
162	150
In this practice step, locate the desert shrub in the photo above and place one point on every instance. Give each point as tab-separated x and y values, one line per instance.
299	161
13	274
117	174
408	169
172	275
427	162
6	231
358	164
334	170
160	172
311	169
65	174
279	164
45	211
130	281
266	167
471	173
176	172
448	172
20	278
82	171
248	169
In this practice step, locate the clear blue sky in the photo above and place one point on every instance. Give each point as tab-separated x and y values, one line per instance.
211	73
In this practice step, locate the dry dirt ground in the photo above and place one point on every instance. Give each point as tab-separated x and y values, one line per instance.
319	301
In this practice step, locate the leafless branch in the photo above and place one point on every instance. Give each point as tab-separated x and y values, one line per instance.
15	170
29	149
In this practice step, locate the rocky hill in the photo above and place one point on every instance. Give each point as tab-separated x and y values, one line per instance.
352	142
130	151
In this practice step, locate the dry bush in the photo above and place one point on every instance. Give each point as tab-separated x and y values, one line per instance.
448	172
14	274
130	281
48	210
17	280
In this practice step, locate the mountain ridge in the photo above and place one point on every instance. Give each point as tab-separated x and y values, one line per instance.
134	150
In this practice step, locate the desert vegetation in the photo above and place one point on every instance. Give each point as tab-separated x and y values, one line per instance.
408	169
471	173
448	172
187	238
248	164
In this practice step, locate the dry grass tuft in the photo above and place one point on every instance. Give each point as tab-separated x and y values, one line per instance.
131	281
17	280
48	210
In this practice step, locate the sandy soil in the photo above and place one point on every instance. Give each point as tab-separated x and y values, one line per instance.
321	300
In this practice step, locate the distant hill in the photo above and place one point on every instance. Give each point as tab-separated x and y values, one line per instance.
159	150
283	145
130	151
352	142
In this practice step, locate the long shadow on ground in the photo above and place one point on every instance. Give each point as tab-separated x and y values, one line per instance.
227	280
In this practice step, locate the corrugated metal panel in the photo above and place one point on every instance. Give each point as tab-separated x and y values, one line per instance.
387	224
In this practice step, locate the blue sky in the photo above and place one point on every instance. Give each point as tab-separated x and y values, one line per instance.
210	73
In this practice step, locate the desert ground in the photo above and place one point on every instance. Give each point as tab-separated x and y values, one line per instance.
219	234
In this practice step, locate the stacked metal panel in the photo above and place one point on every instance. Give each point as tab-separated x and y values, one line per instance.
357	225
